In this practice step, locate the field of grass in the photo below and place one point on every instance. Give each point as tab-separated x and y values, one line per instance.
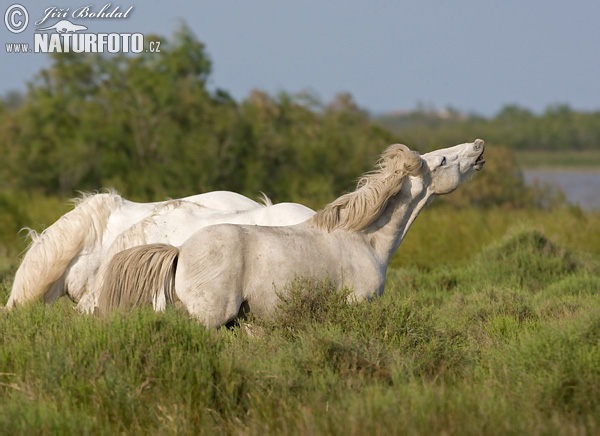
564	160
489	325
447	236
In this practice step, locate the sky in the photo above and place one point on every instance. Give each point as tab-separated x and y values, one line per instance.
472	55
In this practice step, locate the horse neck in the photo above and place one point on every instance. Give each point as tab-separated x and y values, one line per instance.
387	232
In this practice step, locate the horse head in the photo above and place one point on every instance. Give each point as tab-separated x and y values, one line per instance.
445	169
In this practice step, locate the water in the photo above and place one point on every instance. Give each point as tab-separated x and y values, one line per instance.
580	187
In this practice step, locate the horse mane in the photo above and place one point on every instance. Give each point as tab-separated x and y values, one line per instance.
51	251
359	209
137	276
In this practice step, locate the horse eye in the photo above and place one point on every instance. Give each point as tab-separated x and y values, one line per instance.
443	162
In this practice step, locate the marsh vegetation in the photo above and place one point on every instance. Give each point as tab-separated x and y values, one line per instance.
503	342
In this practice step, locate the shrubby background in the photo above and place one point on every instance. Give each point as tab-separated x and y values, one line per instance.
154	125
488	324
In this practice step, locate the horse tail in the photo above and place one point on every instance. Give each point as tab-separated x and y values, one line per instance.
137	276
50	252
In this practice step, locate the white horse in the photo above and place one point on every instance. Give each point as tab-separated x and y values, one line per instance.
174	224
64	259
350	241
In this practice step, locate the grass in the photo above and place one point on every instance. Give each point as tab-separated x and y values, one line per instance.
502	341
446	236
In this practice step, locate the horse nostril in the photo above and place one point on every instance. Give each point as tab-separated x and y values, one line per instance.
478	144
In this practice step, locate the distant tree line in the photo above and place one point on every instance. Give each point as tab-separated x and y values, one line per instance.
150	127
558	128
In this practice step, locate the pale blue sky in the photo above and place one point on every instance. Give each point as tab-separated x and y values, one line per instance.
391	55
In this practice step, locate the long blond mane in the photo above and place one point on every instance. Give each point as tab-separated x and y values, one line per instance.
358	209
51	251
138	276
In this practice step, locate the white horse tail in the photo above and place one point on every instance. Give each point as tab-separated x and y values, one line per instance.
137	276
41	272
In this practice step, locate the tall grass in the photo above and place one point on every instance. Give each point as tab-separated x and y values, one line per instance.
504	342
447	236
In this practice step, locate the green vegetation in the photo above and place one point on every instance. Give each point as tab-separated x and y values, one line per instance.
506	343
443	235
559	128
149	127
564	160
489	323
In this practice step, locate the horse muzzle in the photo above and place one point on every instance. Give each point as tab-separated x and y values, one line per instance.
479	147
